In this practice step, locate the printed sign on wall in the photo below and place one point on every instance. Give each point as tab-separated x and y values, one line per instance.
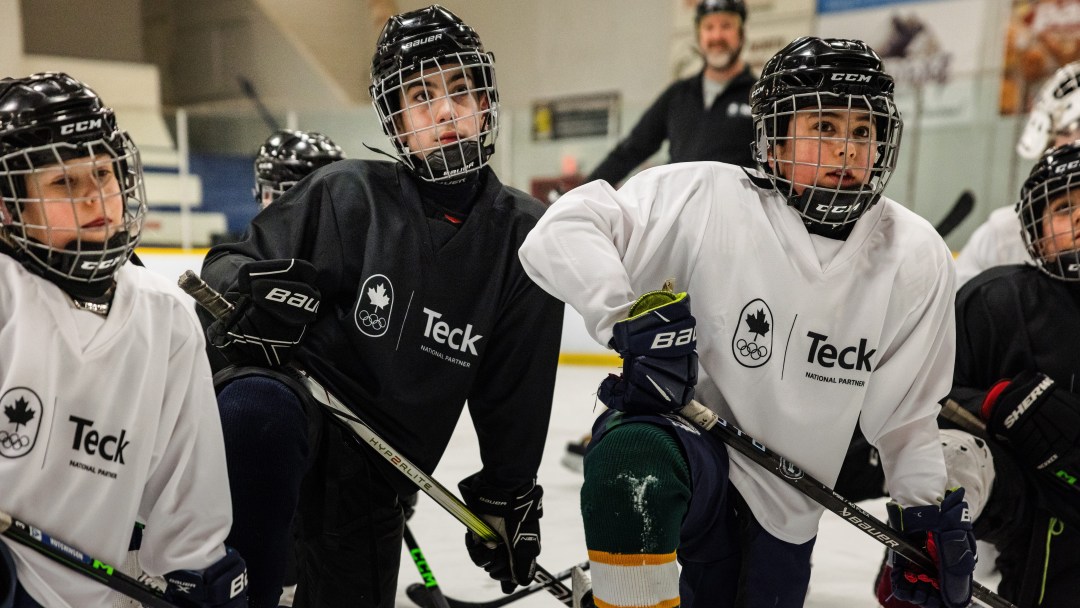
1042	36
930	48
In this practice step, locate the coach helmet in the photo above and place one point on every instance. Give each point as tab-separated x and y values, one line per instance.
1049	211
63	160
435	43
1056	111
813	75
286	157
707	7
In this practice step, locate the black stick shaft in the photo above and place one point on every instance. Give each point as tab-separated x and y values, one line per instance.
438	600
216	305
63	553
823	494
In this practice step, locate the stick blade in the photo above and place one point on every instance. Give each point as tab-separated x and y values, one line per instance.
959	212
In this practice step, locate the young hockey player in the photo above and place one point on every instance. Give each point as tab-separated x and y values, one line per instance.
413	301
1022	323
821	304
104	382
288	156
1055	121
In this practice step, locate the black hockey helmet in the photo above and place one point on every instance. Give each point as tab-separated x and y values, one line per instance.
811	74
286	157
434	39
48	120
707	7
1054	183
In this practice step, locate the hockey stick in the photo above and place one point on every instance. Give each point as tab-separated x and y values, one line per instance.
434	596
63	553
416	592
955	413
249	92
959	212
218	306
822	494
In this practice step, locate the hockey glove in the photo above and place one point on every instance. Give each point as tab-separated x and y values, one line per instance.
945	532
515	516
1040	421
657	344
274	301
222	585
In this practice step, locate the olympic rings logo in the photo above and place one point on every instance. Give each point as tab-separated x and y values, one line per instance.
373	321
752	349
13	441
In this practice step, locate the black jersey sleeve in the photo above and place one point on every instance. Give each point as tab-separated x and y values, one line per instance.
642	142
510	403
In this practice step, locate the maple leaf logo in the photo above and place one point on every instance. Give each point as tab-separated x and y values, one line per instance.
377	295
757	324
20	413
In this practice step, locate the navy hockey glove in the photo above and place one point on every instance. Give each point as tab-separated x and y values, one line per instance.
657	344
515	516
945	532
222	585
274	301
1040	421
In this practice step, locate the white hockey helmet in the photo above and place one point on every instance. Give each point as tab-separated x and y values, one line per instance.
1056	110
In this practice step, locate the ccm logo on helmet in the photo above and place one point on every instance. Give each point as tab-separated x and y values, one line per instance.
847	77
1069	166
839	208
409	45
79	127
102	265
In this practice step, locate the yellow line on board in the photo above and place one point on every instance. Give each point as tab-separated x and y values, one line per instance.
599	359
172	250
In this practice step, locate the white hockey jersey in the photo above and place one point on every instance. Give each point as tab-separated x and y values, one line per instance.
105	421
798	335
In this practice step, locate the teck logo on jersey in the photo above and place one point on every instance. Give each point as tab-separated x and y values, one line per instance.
99	444
458	339
832	357
20	423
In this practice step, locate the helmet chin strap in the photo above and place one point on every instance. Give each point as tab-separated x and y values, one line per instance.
1067	264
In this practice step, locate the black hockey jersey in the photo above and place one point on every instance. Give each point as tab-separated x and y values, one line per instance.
406	334
1011	319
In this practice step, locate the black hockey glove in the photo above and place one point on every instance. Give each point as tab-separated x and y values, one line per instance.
657	344
945	532
222	585
515	516
274	301
1041	423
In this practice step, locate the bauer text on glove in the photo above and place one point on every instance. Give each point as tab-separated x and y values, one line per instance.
657	343
274	301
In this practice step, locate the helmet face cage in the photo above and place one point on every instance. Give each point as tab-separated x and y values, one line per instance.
455	83
1049	211
837	204
81	254
286	158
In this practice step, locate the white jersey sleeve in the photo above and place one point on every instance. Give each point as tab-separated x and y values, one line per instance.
185	503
